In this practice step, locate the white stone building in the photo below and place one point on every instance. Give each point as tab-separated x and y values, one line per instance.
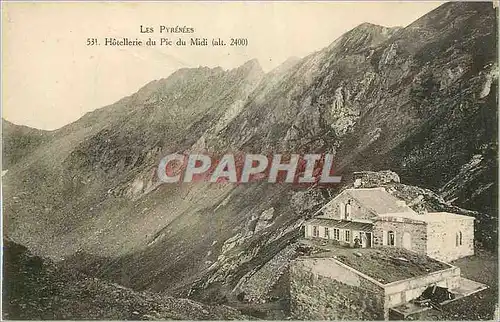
373	217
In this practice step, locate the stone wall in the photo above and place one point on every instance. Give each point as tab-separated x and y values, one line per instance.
416	231
442	239
258	285
370	179
323	289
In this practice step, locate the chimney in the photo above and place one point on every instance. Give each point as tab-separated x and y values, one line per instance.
416	201
401	203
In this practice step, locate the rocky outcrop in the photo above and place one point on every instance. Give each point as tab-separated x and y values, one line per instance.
265	219
371	179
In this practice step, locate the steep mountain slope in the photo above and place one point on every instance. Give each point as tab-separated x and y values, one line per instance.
423	100
18	141
100	160
420	100
37	289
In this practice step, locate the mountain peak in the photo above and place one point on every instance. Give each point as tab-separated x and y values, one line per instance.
367	25
364	35
252	64
372	28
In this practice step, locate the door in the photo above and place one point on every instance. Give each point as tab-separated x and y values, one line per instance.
368	240
407	240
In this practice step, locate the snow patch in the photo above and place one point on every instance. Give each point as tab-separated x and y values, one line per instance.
492	75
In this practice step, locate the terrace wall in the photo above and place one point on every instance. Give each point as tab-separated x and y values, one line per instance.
324	289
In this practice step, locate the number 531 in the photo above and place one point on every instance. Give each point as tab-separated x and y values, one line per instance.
91	41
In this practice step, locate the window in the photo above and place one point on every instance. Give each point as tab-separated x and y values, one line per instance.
347	235
348	210
327	232
391	240
458	240
315	231
336	234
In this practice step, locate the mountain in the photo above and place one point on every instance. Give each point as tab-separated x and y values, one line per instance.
38	289
18	141
419	100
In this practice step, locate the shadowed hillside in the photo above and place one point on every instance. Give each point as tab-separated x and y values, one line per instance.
35	288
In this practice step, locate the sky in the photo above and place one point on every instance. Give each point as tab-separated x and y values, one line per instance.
50	77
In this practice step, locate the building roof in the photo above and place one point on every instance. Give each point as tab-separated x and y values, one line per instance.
427	217
379	201
384	264
341	224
